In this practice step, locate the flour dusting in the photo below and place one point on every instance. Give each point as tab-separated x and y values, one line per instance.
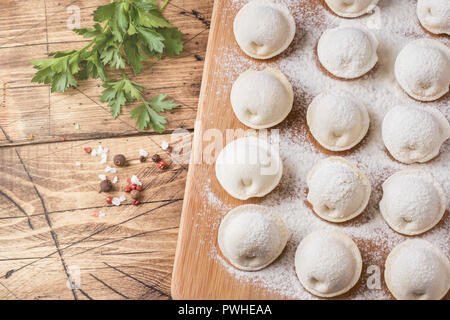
394	24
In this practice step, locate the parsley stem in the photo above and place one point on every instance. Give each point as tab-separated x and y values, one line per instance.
93	40
164	5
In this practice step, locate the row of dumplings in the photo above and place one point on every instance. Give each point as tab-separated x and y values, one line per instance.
413	200
264	29
328	263
262	99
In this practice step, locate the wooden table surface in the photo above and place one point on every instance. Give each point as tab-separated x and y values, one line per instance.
50	230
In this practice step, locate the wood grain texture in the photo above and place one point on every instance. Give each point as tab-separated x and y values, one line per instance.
48	227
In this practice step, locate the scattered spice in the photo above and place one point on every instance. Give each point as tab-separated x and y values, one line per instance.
76	126
119	160
105	185
156	158
135	202
63	139
127	189
198	58
139	188
133	186
162	165
109	199
142	159
31	137
135	194
87	149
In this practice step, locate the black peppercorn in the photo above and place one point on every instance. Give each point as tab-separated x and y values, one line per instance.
105	185
156	158
142	159
120	160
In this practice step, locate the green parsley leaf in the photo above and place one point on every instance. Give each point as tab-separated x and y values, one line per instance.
117	93
146	115
172	41
105	12
160	104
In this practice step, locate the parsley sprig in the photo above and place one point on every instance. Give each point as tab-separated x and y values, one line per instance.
126	33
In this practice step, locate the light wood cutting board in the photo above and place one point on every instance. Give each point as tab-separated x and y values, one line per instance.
198	274
195	274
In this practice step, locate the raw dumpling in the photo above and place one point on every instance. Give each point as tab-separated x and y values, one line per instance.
251	237
413	202
347	51
328	263
417	270
434	15
338	190
336	121
262	99
264	29
414	134
248	167
422	69
351	8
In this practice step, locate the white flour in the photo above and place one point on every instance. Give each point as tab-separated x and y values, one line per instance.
378	92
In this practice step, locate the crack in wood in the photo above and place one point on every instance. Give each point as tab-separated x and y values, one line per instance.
122	239
162	293
18	207
109	287
47	218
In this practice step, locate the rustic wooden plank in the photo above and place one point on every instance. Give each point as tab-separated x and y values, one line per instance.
22	24
46	219
179	77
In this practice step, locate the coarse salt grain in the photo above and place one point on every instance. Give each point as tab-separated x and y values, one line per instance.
164	145
78	164
102	177
143	153
116	201
110	169
378	91
135	180
115	179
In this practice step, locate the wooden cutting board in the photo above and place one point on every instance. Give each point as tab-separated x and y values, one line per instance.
198	273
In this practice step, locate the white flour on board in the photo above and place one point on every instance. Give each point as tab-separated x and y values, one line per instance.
395	23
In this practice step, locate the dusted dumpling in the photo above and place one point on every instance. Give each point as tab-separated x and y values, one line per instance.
351	8
264	29
348	52
328	263
434	15
251	237
338	190
248	167
422	69
417	270
262	99
414	134
336	121
413	202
